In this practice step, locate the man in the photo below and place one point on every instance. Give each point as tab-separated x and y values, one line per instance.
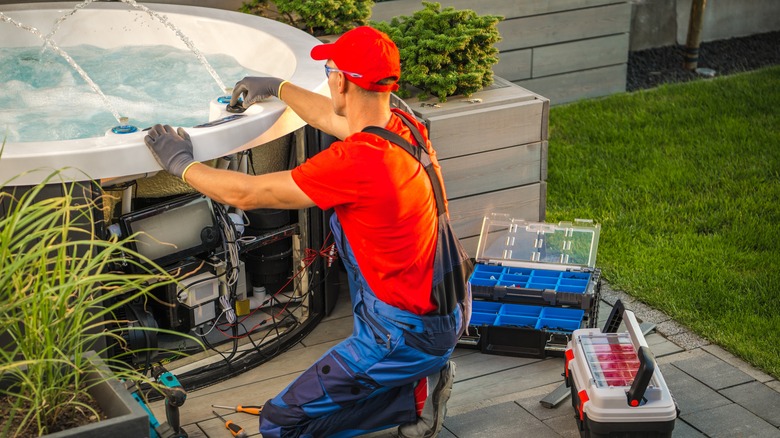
386	226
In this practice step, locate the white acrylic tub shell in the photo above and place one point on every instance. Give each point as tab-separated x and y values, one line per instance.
256	43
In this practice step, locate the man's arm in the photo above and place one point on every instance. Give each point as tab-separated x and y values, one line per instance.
315	109
173	151
248	192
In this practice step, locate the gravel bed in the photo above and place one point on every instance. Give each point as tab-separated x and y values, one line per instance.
652	67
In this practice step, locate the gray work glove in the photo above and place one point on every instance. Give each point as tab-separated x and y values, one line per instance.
172	149
254	89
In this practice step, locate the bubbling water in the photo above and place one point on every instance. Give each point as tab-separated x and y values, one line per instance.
48	42
64	55
42	98
48	38
162	18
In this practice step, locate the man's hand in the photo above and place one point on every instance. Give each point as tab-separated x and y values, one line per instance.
172	149
254	89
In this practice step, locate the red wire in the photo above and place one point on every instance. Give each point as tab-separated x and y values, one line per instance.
310	255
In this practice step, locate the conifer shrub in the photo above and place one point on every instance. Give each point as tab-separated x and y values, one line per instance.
444	52
317	17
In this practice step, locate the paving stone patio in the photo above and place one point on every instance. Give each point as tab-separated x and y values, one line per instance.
498	396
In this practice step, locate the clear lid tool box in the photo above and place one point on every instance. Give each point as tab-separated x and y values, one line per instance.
616	386
534	284
537	262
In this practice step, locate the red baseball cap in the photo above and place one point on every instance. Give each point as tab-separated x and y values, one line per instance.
367	52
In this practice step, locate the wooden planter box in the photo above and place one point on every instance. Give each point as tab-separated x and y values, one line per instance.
492	148
126	417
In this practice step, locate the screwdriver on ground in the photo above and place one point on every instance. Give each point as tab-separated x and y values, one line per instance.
252	410
235	430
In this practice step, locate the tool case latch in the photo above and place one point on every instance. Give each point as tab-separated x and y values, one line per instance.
569	355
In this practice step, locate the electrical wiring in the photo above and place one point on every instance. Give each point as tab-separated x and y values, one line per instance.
202	280
276	318
257	325
227	309
276	293
252	358
230	331
278	332
291	313
229	237
229	243
226	359
277	343
213	325
235	356
310	256
235	336
257	347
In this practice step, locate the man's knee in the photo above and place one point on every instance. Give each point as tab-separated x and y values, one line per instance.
275	420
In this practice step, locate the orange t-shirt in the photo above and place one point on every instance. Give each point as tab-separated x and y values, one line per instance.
385	203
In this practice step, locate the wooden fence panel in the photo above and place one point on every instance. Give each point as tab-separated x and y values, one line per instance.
580	55
385	11
572	25
580	84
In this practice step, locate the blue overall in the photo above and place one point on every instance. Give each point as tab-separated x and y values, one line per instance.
366	382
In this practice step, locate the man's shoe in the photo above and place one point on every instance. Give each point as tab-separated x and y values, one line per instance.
430	422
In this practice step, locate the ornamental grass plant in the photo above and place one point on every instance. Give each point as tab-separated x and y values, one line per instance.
60	297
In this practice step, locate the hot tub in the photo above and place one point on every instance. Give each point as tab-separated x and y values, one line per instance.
257	43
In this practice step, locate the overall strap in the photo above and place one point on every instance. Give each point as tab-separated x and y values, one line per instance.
420	153
451	266
415	132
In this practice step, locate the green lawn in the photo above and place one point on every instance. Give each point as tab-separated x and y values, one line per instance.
685	180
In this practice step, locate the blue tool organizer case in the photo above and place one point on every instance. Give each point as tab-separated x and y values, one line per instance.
533	284
521	329
560	319
487	276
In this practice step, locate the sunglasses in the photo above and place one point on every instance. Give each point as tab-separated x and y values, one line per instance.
329	70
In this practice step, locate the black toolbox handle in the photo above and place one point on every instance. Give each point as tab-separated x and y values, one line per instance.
647	367
615	318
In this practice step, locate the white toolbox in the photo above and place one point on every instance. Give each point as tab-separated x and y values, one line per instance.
617	389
